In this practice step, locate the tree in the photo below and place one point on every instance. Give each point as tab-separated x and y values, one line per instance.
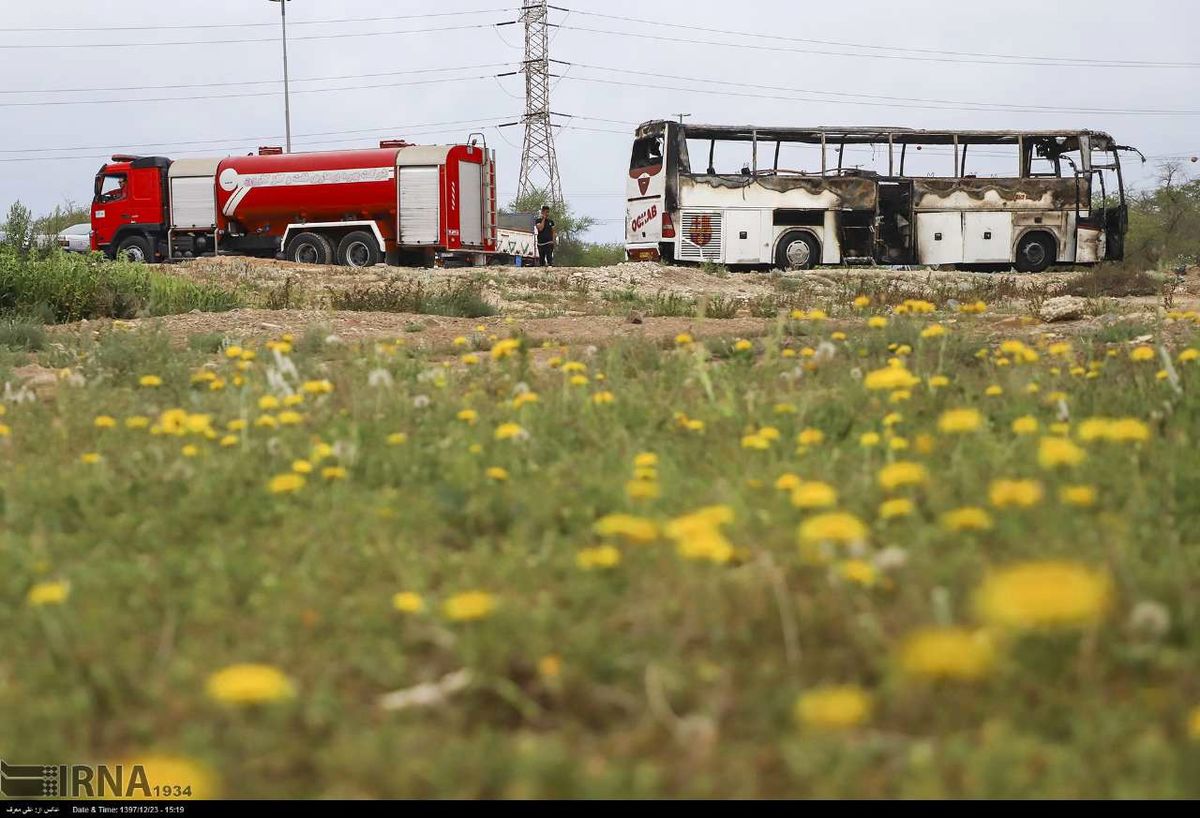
18	228
1164	223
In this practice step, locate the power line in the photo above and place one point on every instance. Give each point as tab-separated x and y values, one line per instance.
248	40
239	83
935	104
255	25
406	130
746	94
1041	59
247	94
908	57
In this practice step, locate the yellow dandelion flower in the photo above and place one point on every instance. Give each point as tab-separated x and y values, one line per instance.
834	526
1141	353
104	422
862	301
190	450
496	473
868	439
877	322
290	418
176	777
469	606
810	437
601	556
890	378
321	387
814	494
90	458
859	572
902	473
755	441
578	380
1025	425
933	331
525	398
334	473
787	481
969	518
1045	594
302	467
510	431
1015	493
150	381
229	440
1083	496
938	381
683	339
956	654
742	345
642	490
467	416
959	421
1188	355
896	508
550	667
236	425
994	391
645	460
293	400
1059	451
408	602
627	527
974	308
833	707
286	483
603	398
137	422
48	593
505	348
245	684
1128	430
784	409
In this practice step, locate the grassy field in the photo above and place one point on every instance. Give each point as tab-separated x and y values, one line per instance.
886	557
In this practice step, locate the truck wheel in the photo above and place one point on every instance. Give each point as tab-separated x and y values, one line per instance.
358	249
136	249
309	248
1035	252
798	250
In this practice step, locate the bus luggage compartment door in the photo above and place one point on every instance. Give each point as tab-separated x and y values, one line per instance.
987	237
939	238
743	237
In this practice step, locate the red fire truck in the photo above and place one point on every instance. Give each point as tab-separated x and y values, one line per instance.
404	203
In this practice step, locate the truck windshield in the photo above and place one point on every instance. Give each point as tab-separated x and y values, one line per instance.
110	188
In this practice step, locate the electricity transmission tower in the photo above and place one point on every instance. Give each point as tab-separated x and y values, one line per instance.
537	154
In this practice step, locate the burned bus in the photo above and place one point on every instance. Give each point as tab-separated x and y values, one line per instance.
795	198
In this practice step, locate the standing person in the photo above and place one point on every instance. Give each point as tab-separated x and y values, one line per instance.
546	237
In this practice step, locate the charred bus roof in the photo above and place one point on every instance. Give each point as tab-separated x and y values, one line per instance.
860	135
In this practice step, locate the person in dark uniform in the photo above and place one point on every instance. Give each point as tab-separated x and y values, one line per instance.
546	237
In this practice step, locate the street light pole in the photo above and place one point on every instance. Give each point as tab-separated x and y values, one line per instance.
287	101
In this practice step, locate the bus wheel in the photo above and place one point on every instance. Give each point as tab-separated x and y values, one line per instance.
136	249
358	249
1035	252
797	250
309	248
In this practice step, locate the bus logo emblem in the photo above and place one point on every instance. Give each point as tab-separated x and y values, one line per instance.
701	233
643	183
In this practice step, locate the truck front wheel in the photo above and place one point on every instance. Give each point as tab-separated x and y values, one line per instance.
136	249
309	248
358	249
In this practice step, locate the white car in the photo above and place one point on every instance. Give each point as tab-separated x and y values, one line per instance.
76	239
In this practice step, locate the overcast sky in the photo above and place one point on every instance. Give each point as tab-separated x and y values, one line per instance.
625	80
